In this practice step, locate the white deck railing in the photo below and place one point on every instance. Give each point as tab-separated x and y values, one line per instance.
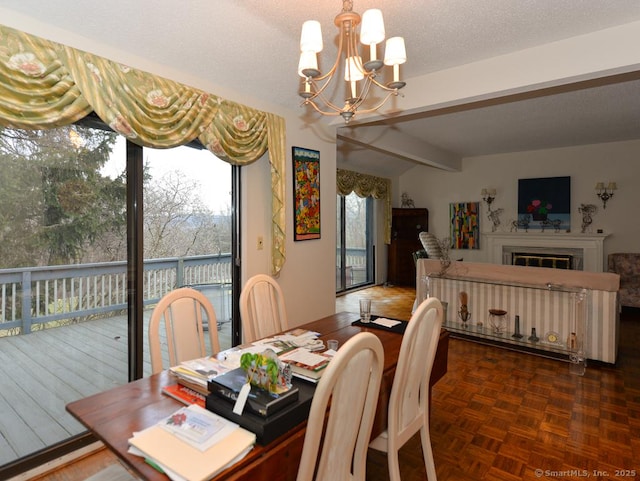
33	296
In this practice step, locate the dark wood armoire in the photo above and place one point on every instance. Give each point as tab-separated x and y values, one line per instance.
406	224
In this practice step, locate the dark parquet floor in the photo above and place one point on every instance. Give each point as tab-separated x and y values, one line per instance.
506	416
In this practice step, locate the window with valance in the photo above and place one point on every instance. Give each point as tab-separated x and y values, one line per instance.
365	185
44	84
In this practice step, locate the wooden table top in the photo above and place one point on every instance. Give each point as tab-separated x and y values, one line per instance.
112	416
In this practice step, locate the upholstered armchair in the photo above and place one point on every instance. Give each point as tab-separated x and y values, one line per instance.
627	266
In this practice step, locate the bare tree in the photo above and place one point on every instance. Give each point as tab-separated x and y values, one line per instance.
176	222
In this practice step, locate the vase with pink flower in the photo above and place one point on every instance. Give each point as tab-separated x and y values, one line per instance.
539	209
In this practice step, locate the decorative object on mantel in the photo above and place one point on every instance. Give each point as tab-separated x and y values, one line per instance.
494	217
489	195
587	210
522	222
555	223
406	201
534	337
605	193
349	64
547	200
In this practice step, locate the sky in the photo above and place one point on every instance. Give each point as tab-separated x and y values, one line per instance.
212	175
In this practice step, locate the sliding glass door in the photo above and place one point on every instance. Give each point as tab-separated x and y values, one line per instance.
188	220
76	203
355	251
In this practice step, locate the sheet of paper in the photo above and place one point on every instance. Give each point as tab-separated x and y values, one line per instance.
303	356
386	322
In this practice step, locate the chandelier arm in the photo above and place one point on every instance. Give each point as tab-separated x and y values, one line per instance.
319	94
327	102
317	109
383	86
376	107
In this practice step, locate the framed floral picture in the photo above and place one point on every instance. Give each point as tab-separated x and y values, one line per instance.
306	194
545	203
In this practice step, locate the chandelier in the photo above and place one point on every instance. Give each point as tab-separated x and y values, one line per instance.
361	78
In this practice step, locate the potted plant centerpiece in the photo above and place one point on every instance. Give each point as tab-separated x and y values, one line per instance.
266	371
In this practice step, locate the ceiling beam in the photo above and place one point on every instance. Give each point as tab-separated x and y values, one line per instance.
387	140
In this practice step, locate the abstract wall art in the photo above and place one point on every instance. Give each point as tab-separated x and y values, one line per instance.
465	225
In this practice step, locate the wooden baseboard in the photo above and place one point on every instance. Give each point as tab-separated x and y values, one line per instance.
60	462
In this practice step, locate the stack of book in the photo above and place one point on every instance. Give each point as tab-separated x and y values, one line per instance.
184	394
192	444
306	364
196	373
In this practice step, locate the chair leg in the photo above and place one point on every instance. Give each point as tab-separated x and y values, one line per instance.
427	453
394	465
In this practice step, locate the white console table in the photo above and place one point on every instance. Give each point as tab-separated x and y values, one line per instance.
556	302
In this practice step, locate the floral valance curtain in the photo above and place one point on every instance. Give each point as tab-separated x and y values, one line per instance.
44	85
367	186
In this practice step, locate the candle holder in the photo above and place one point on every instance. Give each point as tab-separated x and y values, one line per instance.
464	316
497	320
516	330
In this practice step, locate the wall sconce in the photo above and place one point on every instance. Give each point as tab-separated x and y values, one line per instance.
488	195
605	193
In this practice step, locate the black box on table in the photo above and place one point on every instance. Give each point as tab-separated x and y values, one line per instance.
267	428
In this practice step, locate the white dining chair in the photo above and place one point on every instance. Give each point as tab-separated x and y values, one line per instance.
335	445
409	400
182	311
262	308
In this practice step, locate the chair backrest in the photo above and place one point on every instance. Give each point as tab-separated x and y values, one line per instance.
409	401
262	308
431	245
182	311
352	383
625	264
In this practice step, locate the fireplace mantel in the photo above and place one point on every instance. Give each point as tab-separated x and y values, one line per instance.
592	245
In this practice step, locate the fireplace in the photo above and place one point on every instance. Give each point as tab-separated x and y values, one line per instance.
555	257
579	251
555	261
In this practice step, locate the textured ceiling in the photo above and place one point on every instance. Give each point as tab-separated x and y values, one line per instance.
203	38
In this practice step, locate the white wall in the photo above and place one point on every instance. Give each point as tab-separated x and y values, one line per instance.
308	276
586	165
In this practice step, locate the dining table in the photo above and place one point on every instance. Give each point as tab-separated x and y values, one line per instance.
114	415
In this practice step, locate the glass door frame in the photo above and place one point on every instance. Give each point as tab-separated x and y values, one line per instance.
341	248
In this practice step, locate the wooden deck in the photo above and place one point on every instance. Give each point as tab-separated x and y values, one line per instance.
43	371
